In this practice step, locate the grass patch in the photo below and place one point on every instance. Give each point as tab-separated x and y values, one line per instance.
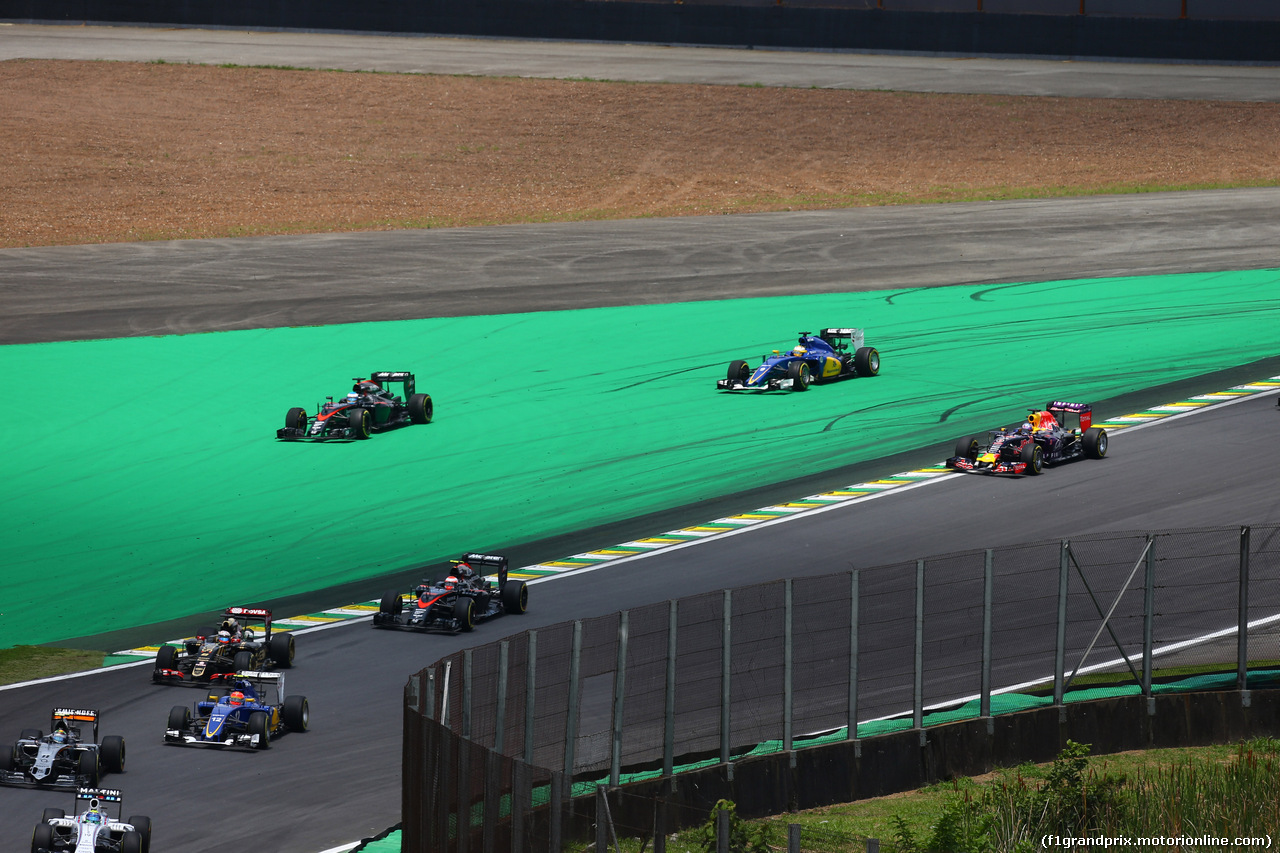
27	663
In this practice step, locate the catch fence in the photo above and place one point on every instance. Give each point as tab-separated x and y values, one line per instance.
506	745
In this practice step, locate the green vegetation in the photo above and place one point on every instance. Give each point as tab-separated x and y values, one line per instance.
27	663
1223	791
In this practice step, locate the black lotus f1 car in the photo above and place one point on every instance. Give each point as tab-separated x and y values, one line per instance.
1041	440
244	641
459	601
368	408
67	757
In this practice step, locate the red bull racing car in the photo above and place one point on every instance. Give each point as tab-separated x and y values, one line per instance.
1041	440
457	602
369	407
830	355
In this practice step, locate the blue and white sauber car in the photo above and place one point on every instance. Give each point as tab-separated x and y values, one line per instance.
94	830
830	355
249	714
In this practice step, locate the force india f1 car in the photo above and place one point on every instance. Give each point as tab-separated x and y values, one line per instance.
1040	441
833	354
250	714
244	641
94	830
65	757
459	601
367	409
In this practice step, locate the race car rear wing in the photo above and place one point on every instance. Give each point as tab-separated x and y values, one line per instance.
382	377
495	561
262	681
94	796
72	718
1084	410
257	615
838	337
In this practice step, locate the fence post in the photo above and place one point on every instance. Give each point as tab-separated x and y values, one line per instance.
1060	655
555	832
988	584
1242	620
500	721
466	693
602	820
852	733
530	691
793	838
917	702
787	695
726	692
669	712
619	694
1148	620
571	718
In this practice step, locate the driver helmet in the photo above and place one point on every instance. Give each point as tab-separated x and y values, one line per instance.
236	698
93	815
59	736
224	637
1026	427
464	570
799	350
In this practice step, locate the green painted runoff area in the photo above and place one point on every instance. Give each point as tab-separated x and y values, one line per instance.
143	480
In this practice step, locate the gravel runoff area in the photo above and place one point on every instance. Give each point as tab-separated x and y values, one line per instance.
119	151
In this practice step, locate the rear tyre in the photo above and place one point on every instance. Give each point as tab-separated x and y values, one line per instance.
166	658
1033	457
258	726
280	648
180	718
142	824
464	611
738	371
866	361
1095	442
296	419
113	754
798	373
515	597
88	769
42	838
358	422
296	713
421	409
52	814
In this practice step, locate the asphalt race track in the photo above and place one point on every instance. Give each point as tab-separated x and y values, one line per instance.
340	781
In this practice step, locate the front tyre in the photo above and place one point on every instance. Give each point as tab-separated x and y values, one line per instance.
738	372
967	448
421	409
258	726
866	361
1032	457
391	604
360	424
42	838
296	419
464	612
1095	442
166	658
180	718
142	824
800	376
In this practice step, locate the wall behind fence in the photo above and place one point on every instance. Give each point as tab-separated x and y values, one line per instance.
1144	29
653	699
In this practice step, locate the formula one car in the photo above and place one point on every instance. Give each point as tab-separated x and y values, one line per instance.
214	655
459	601
368	408
824	358
94	830
65	757
250	714
1040	441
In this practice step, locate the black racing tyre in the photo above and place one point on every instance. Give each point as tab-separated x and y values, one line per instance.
87	767
798	373
113	754
738	371
42	838
296	419
515	597
131	842
968	447
866	361
258	725
296	713
464	610
360	423
142	824
1033	457
281	649
7	761
391	604
243	661
180	718
166	658
31	734
52	814
1095	442
421	409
